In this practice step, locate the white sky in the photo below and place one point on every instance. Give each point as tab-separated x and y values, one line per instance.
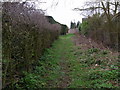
63	12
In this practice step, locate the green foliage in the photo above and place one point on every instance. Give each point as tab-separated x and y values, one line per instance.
64	29
94	68
102	79
93	50
104	52
31	81
106	75
73	25
79	27
78	23
84	27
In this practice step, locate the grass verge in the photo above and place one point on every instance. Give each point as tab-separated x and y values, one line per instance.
94	68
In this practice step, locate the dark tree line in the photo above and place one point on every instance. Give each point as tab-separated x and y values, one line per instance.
74	25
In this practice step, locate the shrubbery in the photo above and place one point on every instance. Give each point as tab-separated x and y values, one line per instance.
26	33
64	28
97	27
84	27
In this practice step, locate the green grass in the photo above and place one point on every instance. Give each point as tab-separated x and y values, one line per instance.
86	75
82	70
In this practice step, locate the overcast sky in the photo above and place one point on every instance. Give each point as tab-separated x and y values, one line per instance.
63	11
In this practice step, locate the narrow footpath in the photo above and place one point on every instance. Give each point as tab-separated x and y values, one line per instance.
77	62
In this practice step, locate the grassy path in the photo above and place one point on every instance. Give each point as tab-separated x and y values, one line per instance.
80	68
63	54
66	65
